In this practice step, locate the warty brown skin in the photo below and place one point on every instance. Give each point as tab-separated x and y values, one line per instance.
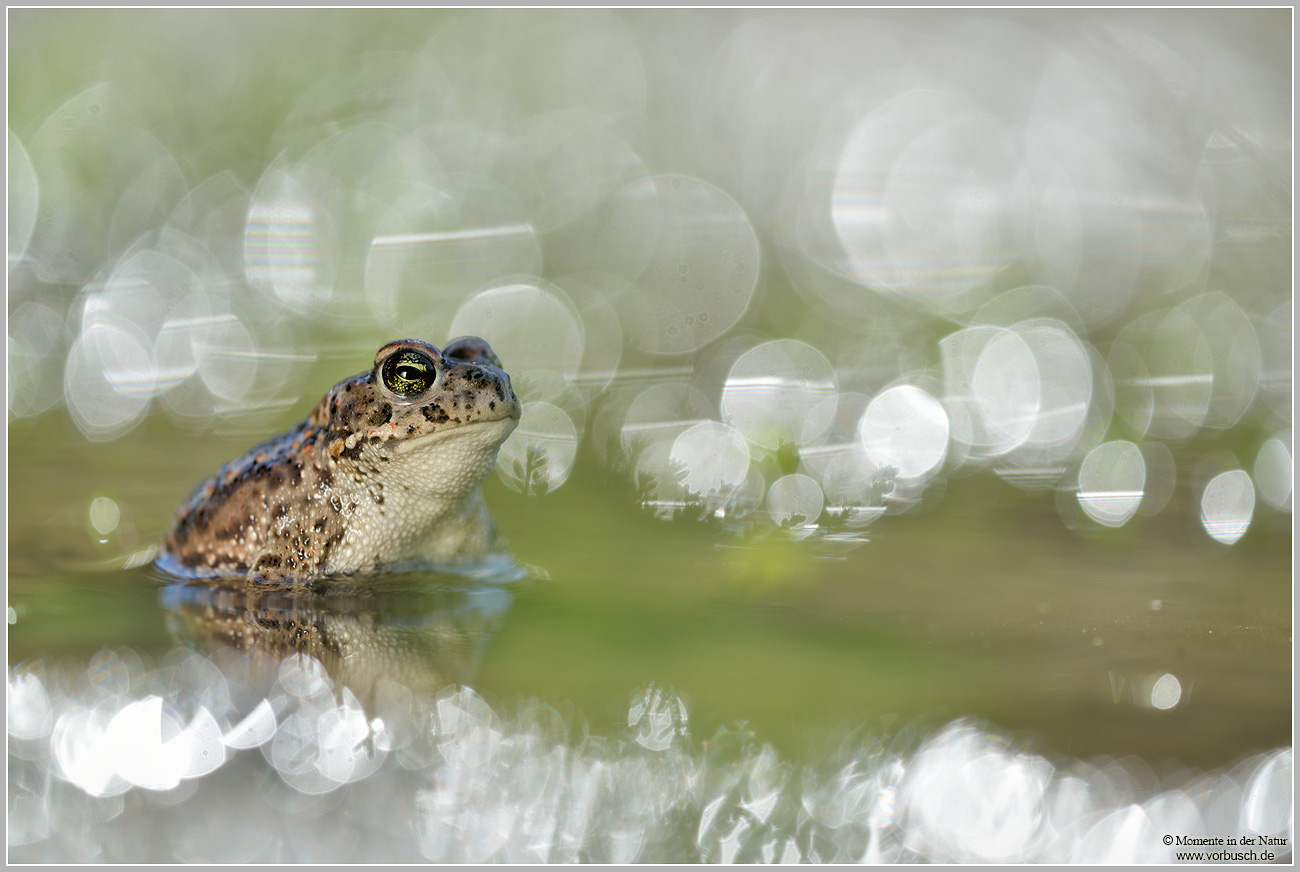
386	469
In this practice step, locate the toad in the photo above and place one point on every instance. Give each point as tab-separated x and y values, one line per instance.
384	472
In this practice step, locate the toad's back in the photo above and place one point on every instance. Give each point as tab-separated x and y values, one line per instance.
385	469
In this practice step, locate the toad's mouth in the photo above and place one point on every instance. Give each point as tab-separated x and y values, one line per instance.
485	433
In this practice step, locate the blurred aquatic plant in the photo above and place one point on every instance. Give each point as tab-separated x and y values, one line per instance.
135	763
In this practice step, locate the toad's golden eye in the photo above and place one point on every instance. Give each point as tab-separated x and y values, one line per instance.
408	373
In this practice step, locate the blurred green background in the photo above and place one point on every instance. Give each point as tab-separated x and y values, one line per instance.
1120	165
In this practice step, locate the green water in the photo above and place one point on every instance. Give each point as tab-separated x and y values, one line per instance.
254	201
982	603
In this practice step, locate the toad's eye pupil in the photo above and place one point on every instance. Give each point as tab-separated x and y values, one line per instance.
408	373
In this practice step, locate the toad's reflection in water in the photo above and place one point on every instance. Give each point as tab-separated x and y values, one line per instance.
420	630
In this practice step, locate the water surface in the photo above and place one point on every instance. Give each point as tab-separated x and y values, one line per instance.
740	640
